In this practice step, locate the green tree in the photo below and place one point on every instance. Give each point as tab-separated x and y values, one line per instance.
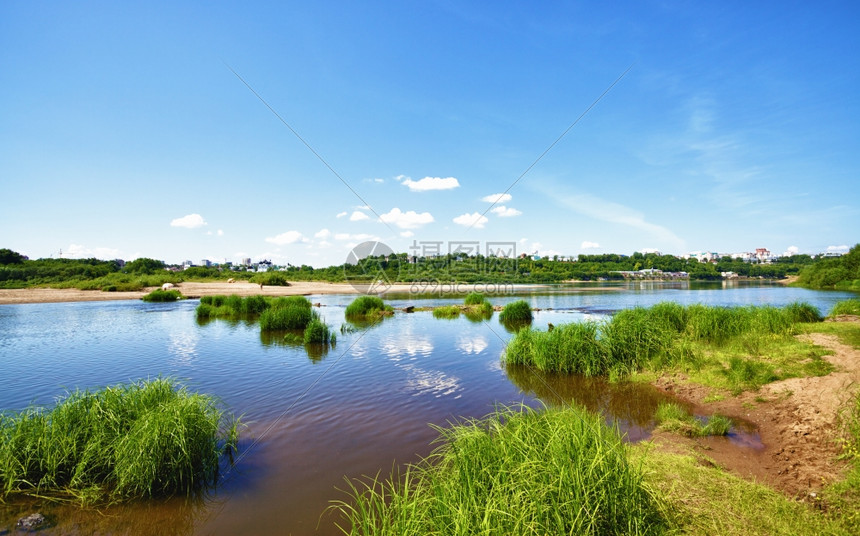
143	265
7	256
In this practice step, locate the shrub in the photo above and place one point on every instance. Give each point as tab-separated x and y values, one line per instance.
271	279
518	311
143	439
159	295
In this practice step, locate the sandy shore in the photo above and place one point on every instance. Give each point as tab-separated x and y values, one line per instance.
240	288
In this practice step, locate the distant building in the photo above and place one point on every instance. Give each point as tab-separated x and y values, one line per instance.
206	262
246	261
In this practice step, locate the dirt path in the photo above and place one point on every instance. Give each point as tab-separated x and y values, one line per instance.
798	424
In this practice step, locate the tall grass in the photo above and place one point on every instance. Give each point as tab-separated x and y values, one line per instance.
318	332
159	295
659	336
446	311
143	439
284	315
368	306
519	471
474	298
846	307
674	418
518	311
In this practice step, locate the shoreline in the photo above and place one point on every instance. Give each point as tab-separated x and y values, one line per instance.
194	290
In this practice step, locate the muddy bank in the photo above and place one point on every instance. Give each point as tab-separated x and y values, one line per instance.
797	420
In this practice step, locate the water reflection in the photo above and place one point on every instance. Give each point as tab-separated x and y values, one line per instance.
472	345
632	405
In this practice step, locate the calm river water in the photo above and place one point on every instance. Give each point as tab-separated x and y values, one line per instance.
313	420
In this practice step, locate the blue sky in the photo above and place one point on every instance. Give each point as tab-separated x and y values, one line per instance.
124	133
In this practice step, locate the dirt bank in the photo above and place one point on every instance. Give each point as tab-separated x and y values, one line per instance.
797	420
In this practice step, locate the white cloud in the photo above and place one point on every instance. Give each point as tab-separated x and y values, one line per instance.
431	183
589	245
290	237
474	219
792	250
407	234
324	244
341	214
497	198
322	233
837	249
407	220
505	212
220	232
361	237
78	251
358	216
400	178
191	221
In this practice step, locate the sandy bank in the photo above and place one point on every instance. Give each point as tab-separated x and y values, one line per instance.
242	288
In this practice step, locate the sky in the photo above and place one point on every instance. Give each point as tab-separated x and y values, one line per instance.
293	131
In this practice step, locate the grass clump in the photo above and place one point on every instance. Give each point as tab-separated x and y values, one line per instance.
270	279
674	418
368	307
318	332
293	312
737	349
151	438
518	311
159	295
474	298
846	307
519	471
447	311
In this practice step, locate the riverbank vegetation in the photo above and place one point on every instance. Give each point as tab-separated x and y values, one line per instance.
16	271
159	295
519	471
737	348
674	418
515	312
841	273
146	439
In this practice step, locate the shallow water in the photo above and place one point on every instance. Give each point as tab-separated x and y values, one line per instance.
357	409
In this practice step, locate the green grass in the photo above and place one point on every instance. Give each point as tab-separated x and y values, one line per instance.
317	332
702	499
286	317
270	279
518	311
519	471
474	298
674	418
735	349
447	311
145	439
846	307
159	295
368	307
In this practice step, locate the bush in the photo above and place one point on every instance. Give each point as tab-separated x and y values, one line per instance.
271	279
145	439
159	295
518	311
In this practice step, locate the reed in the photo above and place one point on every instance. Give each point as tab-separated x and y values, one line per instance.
674	418
474	298
518	471
145	439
